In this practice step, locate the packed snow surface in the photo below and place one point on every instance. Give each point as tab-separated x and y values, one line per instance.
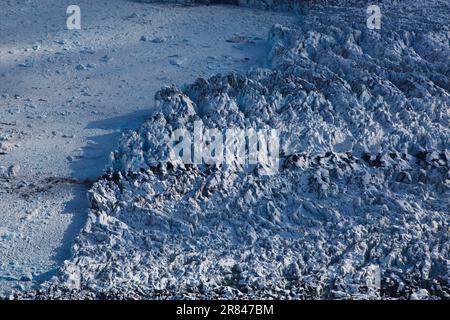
358	208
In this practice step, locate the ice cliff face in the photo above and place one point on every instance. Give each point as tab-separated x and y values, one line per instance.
358	209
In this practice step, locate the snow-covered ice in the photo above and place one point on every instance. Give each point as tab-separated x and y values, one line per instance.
65	97
358	209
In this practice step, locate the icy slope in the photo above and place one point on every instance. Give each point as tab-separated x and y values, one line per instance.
358	209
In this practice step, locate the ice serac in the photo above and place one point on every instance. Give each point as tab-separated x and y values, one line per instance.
358	209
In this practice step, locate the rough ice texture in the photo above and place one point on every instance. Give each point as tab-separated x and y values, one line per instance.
297	4
363	186
262	4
